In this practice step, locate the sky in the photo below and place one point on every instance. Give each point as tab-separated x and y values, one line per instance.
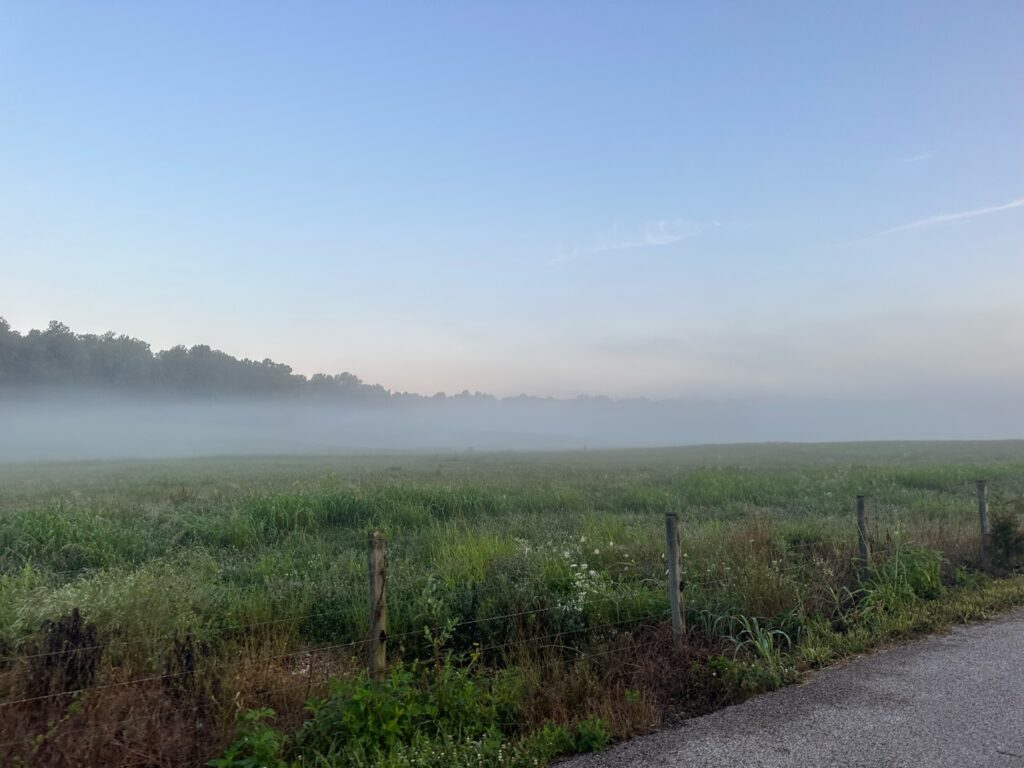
634	199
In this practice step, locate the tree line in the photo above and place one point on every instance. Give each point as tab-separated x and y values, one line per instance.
59	358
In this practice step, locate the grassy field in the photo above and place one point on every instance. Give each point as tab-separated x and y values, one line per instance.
526	593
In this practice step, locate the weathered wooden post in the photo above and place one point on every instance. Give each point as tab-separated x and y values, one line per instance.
983	524
675	583
863	554
376	650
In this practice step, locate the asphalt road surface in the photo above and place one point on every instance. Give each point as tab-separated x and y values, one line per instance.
953	700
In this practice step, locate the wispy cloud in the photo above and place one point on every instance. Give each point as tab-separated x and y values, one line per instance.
945	217
920	158
653	234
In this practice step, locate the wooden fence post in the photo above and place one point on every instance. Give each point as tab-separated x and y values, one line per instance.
862	538
376	659
675	583
983	524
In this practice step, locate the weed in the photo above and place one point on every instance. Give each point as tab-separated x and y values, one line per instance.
592	735
766	644
258	745
1007	535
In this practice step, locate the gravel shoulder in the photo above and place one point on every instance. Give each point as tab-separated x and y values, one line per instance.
952	700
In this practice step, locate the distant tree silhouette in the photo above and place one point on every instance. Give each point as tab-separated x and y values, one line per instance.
60	358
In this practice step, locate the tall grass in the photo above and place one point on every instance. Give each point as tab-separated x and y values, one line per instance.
535	561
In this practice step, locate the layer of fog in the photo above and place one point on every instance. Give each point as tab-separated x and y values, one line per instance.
89	427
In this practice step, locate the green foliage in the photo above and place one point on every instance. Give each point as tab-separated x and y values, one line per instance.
764	643
964	577
489	751
592	735
410	705
723	680
416	716
1007	534
257	745
553	740
373	718
912	573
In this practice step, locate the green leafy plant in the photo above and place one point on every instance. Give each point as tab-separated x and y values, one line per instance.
258	745
764	643
1007	538
913	573
592	734
552	740
374	717
413	703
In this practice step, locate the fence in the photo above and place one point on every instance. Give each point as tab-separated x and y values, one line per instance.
378	639
374	647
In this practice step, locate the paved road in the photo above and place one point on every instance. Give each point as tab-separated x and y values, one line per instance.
953	700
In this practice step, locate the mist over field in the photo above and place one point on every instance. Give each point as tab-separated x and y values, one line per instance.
88	426
65	395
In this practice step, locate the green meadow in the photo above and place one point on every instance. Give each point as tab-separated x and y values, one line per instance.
159	611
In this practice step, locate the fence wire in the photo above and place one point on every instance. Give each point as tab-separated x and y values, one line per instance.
536	643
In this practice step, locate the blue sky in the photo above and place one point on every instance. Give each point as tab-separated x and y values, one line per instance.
631	199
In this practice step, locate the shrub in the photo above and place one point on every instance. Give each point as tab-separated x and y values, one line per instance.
912	573
258	745
592	735
922	570
722	680
412	705
1007	540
